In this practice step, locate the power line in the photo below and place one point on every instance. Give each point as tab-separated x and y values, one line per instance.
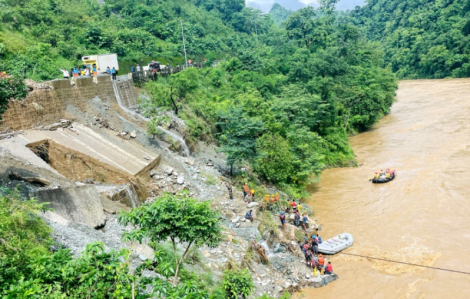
410	264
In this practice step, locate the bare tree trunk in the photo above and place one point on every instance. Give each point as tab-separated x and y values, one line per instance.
178	263
173	101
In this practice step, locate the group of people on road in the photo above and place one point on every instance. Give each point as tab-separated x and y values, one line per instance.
76	72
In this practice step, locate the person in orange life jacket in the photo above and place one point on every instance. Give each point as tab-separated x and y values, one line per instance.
329	268
249	216
321	261
246	190
282	217
75	72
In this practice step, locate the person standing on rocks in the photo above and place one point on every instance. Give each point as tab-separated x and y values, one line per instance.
304	221
297	219
246	191
137	68
282	217
314	245
230	190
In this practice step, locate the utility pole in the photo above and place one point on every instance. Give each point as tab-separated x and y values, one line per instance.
184	44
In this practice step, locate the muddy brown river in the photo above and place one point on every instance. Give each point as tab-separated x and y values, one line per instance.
421	217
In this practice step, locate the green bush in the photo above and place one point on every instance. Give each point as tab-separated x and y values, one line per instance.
237	283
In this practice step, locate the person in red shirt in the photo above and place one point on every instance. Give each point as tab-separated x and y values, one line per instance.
329	268
294	206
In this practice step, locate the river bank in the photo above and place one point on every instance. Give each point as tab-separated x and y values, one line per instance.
420	217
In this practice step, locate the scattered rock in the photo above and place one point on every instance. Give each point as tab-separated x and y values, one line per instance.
236	219
142	257
133	134
180	180
169	170
253	204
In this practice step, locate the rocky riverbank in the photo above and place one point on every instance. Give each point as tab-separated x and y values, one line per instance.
272	255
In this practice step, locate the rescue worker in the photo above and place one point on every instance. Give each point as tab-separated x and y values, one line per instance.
321	261
376	175
246	190
314	245
304	221
249	215
297	219
329	268
282	217
319	239
294	206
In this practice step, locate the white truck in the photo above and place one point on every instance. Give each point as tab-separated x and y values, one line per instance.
101	61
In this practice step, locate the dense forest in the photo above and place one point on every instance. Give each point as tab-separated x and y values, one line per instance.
284	98
287	105
39	37
421	38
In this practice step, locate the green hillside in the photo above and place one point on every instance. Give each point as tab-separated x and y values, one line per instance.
284	98
279	14
421	38
40	36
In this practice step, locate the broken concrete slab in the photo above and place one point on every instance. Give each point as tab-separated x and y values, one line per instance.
80	204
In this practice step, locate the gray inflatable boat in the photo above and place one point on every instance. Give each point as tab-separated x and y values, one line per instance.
336	244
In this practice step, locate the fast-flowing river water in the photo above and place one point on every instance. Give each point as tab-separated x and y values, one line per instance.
421	217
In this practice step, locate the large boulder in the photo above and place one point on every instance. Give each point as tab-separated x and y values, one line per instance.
80	204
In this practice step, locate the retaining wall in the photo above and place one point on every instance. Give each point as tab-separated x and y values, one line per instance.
47	106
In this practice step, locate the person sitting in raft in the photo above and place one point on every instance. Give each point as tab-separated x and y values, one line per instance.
376	175
382	174
329	268
249	216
